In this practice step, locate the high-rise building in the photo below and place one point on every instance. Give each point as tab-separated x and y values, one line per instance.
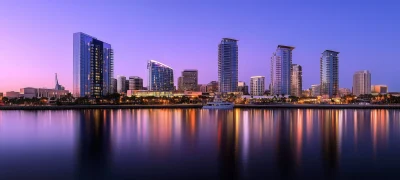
315	90
380	89
361	83
113	86
212	87
329	74
58	86
296	80
180	83
228	61
93	66
121	84
135	83
242	87
127	85
188	80
281	64
257	85
161	76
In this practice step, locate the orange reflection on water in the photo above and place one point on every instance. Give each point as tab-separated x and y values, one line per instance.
379	128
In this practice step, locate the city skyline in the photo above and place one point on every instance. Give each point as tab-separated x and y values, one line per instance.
141	42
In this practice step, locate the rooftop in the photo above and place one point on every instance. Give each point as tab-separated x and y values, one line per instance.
331	51
257	76
189	70
230	39
159	63
288	47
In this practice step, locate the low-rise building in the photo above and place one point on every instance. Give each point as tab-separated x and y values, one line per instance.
315	90
144	93
242	87
12	94
344	92
212	87
306	93
379	89
30	92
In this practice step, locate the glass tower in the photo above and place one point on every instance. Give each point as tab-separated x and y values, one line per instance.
329	74
228	65
161	76
93	66
281	64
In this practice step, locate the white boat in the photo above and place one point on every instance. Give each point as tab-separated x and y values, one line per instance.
218	104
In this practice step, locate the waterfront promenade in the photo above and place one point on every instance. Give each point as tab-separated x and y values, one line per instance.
185	106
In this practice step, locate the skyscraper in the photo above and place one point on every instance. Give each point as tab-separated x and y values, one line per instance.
361	83
180	83
296	80
329	74
126	85
93	66
189	80
121	84
257	85
281	64
228	59
135	83
161	76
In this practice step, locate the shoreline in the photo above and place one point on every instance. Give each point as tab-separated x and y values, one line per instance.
198	106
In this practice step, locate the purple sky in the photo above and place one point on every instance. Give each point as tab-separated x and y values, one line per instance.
36	37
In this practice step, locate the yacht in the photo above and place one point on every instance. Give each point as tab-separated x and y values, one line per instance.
218	104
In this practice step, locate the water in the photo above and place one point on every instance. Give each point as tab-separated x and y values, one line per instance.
200	144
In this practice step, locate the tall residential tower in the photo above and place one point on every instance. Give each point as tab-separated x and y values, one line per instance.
296	80
361	83
93	66
329	74
228	65
281	64
257	85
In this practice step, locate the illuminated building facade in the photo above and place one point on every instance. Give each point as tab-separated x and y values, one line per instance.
257	85
281	64
329	74
228	64
161	76
93	66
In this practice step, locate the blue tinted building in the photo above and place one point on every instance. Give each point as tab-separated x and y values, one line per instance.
281	64
93	66
161	76
329	74
228	60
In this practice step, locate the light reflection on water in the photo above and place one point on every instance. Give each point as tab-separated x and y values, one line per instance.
195	143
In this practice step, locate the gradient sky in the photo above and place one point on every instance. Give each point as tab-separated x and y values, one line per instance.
36	37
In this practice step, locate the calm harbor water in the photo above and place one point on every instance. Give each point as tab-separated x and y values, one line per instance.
200	144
